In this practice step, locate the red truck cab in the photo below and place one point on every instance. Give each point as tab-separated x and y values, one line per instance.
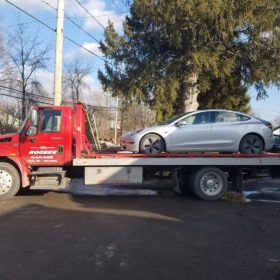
45	139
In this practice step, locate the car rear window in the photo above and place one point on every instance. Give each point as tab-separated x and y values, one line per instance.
226	117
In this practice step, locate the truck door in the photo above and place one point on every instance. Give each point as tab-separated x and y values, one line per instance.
46	147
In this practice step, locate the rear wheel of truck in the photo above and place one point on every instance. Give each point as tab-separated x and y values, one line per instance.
208	183
9	180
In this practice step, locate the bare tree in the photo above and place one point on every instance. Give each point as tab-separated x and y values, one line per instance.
26	55
74	78
9	118
135	116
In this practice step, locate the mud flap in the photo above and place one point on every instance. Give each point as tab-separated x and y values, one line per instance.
175	181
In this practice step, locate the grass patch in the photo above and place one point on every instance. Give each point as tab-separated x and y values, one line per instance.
234	196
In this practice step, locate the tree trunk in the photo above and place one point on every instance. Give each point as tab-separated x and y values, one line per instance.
189	94
23	105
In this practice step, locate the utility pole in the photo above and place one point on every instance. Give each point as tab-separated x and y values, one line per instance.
58	52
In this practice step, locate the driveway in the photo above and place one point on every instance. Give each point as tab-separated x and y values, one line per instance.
164	236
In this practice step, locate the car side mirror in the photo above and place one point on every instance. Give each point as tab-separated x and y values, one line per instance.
180	123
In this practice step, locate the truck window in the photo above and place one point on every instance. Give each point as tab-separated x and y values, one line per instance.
50	121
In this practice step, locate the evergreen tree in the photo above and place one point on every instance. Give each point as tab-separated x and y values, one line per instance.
171	51
230	94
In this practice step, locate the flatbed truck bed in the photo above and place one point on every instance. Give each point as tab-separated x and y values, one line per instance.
52	147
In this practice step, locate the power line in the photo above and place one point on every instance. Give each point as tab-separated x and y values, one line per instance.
116	5
53	8
125	3
22	23
81	46
73	22
18	24
28	99
105	15
91	15
69	39
47	26
28	93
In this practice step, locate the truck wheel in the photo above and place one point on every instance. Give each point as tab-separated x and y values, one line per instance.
151	144
208	183
9	180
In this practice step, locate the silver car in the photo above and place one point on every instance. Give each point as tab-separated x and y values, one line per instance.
203	131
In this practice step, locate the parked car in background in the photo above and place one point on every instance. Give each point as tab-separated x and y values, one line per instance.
203	131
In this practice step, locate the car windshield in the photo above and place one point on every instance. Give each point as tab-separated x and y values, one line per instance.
174	119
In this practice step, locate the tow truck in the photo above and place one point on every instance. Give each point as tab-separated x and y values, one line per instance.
51	147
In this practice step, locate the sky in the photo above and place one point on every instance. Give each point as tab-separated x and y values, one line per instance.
102	10
45	11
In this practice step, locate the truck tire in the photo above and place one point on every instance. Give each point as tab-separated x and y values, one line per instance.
208	183
9	180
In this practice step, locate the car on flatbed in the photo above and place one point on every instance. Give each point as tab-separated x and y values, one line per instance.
276	137
203	131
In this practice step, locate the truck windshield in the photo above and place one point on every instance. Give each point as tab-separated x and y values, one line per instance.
24	123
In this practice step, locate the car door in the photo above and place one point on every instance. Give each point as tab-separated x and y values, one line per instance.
47	146
227	129
192	133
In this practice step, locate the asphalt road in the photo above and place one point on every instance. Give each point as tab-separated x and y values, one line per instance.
64	236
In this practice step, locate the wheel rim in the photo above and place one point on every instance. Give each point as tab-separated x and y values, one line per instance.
211	183
6	181
252	145
153	145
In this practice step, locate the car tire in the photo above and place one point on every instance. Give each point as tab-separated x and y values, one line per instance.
9	180
251	144
208	183
151	144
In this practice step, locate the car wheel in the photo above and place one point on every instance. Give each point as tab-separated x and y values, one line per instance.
208	183
9	180
151	144
251	144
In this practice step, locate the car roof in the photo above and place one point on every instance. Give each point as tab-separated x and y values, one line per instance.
218	110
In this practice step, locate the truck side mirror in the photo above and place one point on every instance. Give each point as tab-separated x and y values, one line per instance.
34	117
33	128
